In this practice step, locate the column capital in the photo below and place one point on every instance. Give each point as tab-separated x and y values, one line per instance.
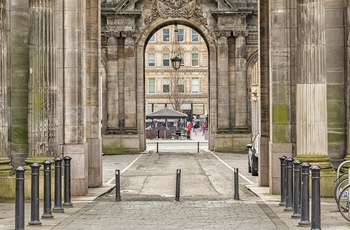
223	33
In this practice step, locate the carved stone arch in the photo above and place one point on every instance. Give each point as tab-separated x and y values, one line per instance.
215	21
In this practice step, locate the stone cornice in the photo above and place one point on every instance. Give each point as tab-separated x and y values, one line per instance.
234	33
117	34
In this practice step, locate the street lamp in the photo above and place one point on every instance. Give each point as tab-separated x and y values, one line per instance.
176	62
176	59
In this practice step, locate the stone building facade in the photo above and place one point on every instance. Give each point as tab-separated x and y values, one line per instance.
73	79
185	90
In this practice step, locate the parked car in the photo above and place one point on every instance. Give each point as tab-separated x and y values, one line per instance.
253	156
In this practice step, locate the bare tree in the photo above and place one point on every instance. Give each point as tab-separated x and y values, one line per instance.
178	92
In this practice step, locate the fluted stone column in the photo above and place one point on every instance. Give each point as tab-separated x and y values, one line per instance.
74	97
93	86
241	81
112	84
130	84
223	81
311	88
42	81
4	148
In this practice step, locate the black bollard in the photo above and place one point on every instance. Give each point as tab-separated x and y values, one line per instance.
236	184
283	181
198	147
47	189
58	186
34	215
19	209
305	203
157	146
117	185
178	177
316	198
67	189
297	185
289	183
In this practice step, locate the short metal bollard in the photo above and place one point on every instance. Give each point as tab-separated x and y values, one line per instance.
47	189
58	186
283	181
198	147
305	202
117	185
289	189
236	184
297	185
19	209
34	215
316	198
67	187
157	146
178	178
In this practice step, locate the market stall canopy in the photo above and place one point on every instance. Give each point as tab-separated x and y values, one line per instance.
166	114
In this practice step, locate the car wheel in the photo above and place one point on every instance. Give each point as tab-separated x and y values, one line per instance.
254	172
254	166
249	167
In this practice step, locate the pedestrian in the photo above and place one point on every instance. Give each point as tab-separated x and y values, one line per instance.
154	123
189	128
196	127
204	127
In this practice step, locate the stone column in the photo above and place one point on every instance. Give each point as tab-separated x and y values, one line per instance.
311	88
241	81
223	81
4	148
93	86
130	84
112	84
42	82
74	98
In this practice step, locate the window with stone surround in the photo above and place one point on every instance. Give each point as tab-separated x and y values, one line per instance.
195	61
166	59
180	35
151	59
166	85
195	36
151	85
195	85
166	35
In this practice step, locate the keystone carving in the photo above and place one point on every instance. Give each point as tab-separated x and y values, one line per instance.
176	9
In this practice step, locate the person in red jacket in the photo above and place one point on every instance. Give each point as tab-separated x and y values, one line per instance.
189	128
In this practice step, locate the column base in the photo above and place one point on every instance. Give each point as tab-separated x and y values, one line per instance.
79	167
5	167
328	174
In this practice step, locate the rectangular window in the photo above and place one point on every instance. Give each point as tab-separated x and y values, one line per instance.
151	60
180	35
195	36
166	60
195	85
181	85
166	35
166	85
151	85
153	38
195	61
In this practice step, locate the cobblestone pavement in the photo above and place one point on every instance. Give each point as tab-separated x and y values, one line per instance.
148	190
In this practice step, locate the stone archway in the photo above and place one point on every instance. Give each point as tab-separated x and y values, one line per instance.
231	36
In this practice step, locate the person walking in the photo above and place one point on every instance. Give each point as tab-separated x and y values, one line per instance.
204	127
189	128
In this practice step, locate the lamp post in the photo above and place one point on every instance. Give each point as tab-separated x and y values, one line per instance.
176	60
